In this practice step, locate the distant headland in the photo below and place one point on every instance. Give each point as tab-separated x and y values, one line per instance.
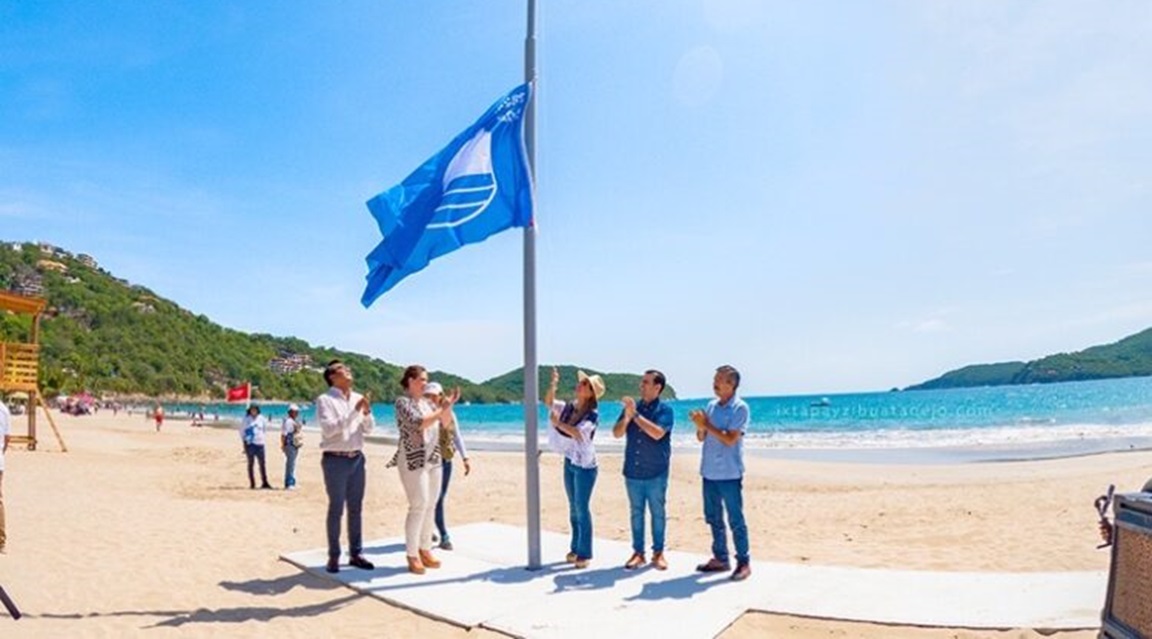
1129	357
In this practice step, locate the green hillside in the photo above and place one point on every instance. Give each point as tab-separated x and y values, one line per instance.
107	336
617	384
1129	357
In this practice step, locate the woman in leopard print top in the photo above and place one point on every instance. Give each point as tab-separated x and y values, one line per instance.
418	459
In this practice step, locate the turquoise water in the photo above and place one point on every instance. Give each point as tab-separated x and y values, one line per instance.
1004	415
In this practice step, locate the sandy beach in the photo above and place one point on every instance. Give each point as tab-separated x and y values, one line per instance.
136	532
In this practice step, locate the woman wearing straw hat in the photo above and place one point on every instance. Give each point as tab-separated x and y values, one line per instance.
573	428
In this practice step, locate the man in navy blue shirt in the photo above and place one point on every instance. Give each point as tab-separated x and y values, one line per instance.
647	457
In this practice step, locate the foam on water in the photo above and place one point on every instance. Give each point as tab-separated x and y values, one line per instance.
1048	415
950	437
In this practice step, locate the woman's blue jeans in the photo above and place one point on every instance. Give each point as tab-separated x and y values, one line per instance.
578	484
445	478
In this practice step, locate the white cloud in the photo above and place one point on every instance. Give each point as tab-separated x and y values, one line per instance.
477	350
1062	75
15	204
1136	313
1139	269
734	15
698	76
934	323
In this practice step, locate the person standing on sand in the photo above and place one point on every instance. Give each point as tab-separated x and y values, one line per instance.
252	432
721	427
451	444
291	439
573	428
5	429
418	458
647	460
345	417
158	416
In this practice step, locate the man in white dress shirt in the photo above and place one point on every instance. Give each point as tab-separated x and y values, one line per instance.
345	417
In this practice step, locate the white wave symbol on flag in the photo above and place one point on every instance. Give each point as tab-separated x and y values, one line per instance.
469	184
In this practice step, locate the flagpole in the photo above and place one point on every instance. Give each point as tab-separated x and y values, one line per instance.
531	376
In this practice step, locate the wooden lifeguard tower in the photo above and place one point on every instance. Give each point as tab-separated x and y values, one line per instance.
20	365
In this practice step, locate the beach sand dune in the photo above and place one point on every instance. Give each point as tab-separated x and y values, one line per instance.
135	532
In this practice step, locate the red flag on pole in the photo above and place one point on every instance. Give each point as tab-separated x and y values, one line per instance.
240	393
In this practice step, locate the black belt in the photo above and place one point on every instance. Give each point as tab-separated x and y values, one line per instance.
349	454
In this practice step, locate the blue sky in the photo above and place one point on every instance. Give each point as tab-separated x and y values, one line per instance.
830	196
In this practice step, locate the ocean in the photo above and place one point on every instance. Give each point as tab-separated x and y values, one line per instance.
1074	417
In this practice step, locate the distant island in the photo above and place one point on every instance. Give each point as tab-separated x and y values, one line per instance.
1129	357
107	336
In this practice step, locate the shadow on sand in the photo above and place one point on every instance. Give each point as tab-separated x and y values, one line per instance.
239	614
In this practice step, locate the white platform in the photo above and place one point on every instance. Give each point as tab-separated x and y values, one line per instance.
484	583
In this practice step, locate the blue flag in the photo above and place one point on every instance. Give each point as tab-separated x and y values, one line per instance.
476	186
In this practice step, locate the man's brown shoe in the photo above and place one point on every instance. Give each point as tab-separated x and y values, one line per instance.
428	560
714	565
635	561
742	572
570	558
658	561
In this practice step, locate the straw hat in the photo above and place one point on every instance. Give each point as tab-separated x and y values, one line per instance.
594	381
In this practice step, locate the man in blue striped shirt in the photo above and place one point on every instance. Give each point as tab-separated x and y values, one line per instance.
720	427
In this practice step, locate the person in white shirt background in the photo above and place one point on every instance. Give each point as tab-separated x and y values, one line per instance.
252	431
573	429
291	438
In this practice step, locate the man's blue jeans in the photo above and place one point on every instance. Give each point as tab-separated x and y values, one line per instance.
578	484
290	453
344	481
650	493
718	496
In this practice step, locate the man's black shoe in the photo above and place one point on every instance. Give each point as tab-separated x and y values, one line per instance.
360	562
333	565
